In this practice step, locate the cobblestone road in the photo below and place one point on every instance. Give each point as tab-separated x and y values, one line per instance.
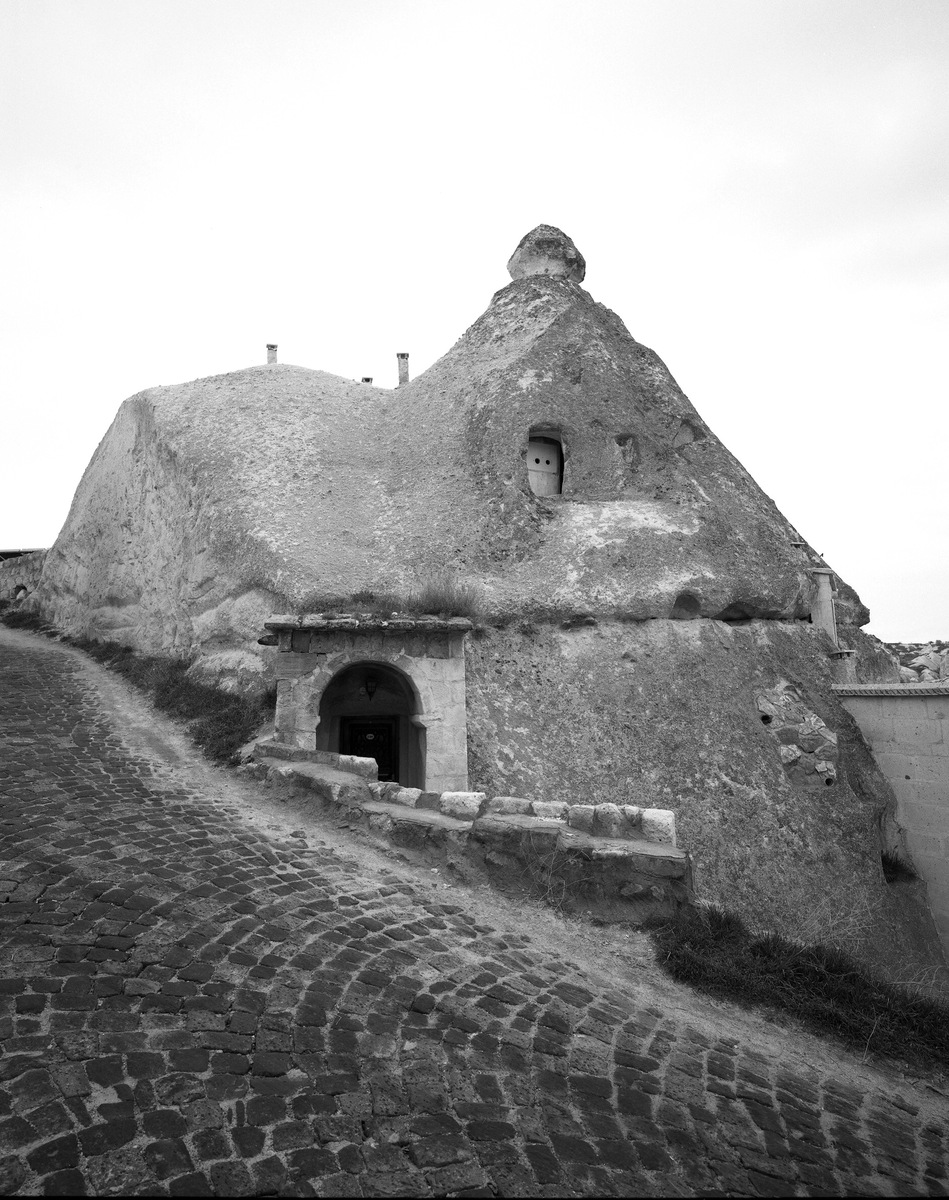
191	1006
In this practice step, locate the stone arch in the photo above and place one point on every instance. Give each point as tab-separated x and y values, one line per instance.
433	672
372	709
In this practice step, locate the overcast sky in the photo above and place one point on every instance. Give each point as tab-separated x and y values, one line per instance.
760	189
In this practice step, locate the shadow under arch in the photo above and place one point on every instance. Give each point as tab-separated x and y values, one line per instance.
372	709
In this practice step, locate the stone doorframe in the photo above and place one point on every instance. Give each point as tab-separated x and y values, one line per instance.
428	652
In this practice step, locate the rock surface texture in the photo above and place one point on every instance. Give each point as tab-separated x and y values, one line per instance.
547	250
922	662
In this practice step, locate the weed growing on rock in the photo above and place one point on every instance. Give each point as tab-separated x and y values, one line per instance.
318	602
444	596
555	876
896	868
714	951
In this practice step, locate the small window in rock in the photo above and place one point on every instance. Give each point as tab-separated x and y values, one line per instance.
545	465
686	607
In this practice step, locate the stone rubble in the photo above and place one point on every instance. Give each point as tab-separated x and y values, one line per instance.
922	662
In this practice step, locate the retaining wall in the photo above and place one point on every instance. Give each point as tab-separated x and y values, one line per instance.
23	571
908	729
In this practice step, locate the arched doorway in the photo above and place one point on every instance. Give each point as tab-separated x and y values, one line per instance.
368	710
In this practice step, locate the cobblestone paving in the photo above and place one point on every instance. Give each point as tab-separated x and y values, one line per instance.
191	1007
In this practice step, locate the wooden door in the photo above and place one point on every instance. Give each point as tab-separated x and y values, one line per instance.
376	737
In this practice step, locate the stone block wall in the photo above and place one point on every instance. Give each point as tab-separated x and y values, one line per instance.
428	653
19	572
908	730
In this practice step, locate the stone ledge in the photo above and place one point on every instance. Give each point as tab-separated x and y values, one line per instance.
368	768
890	689
625	821
622	876
662	858
620	879
414	816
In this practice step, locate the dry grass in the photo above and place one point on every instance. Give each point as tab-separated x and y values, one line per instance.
897	868
441	596
555	877
444	596
826	989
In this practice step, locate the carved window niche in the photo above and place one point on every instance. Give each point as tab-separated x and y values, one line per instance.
545	462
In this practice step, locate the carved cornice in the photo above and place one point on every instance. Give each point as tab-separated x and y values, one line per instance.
906	690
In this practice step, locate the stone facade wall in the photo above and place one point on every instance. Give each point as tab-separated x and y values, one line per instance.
24	571
908	728
434	666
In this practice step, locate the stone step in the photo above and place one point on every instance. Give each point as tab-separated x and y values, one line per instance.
368	768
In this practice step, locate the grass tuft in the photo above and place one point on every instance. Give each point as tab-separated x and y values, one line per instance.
445	597
20	618
713	950
442	596
896	868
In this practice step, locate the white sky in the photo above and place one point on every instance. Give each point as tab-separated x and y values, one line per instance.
760	189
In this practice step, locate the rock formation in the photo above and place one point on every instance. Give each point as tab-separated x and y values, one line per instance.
922	662
546	250
639	621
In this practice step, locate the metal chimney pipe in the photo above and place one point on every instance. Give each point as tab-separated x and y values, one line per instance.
271	352
403	367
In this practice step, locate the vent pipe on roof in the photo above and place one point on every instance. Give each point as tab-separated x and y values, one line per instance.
403	367
271	352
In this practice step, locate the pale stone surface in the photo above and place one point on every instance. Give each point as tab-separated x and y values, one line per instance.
581	817
547	250
610	821
509	805
464	806
551	810
407	797
910	739
633	814
659	825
